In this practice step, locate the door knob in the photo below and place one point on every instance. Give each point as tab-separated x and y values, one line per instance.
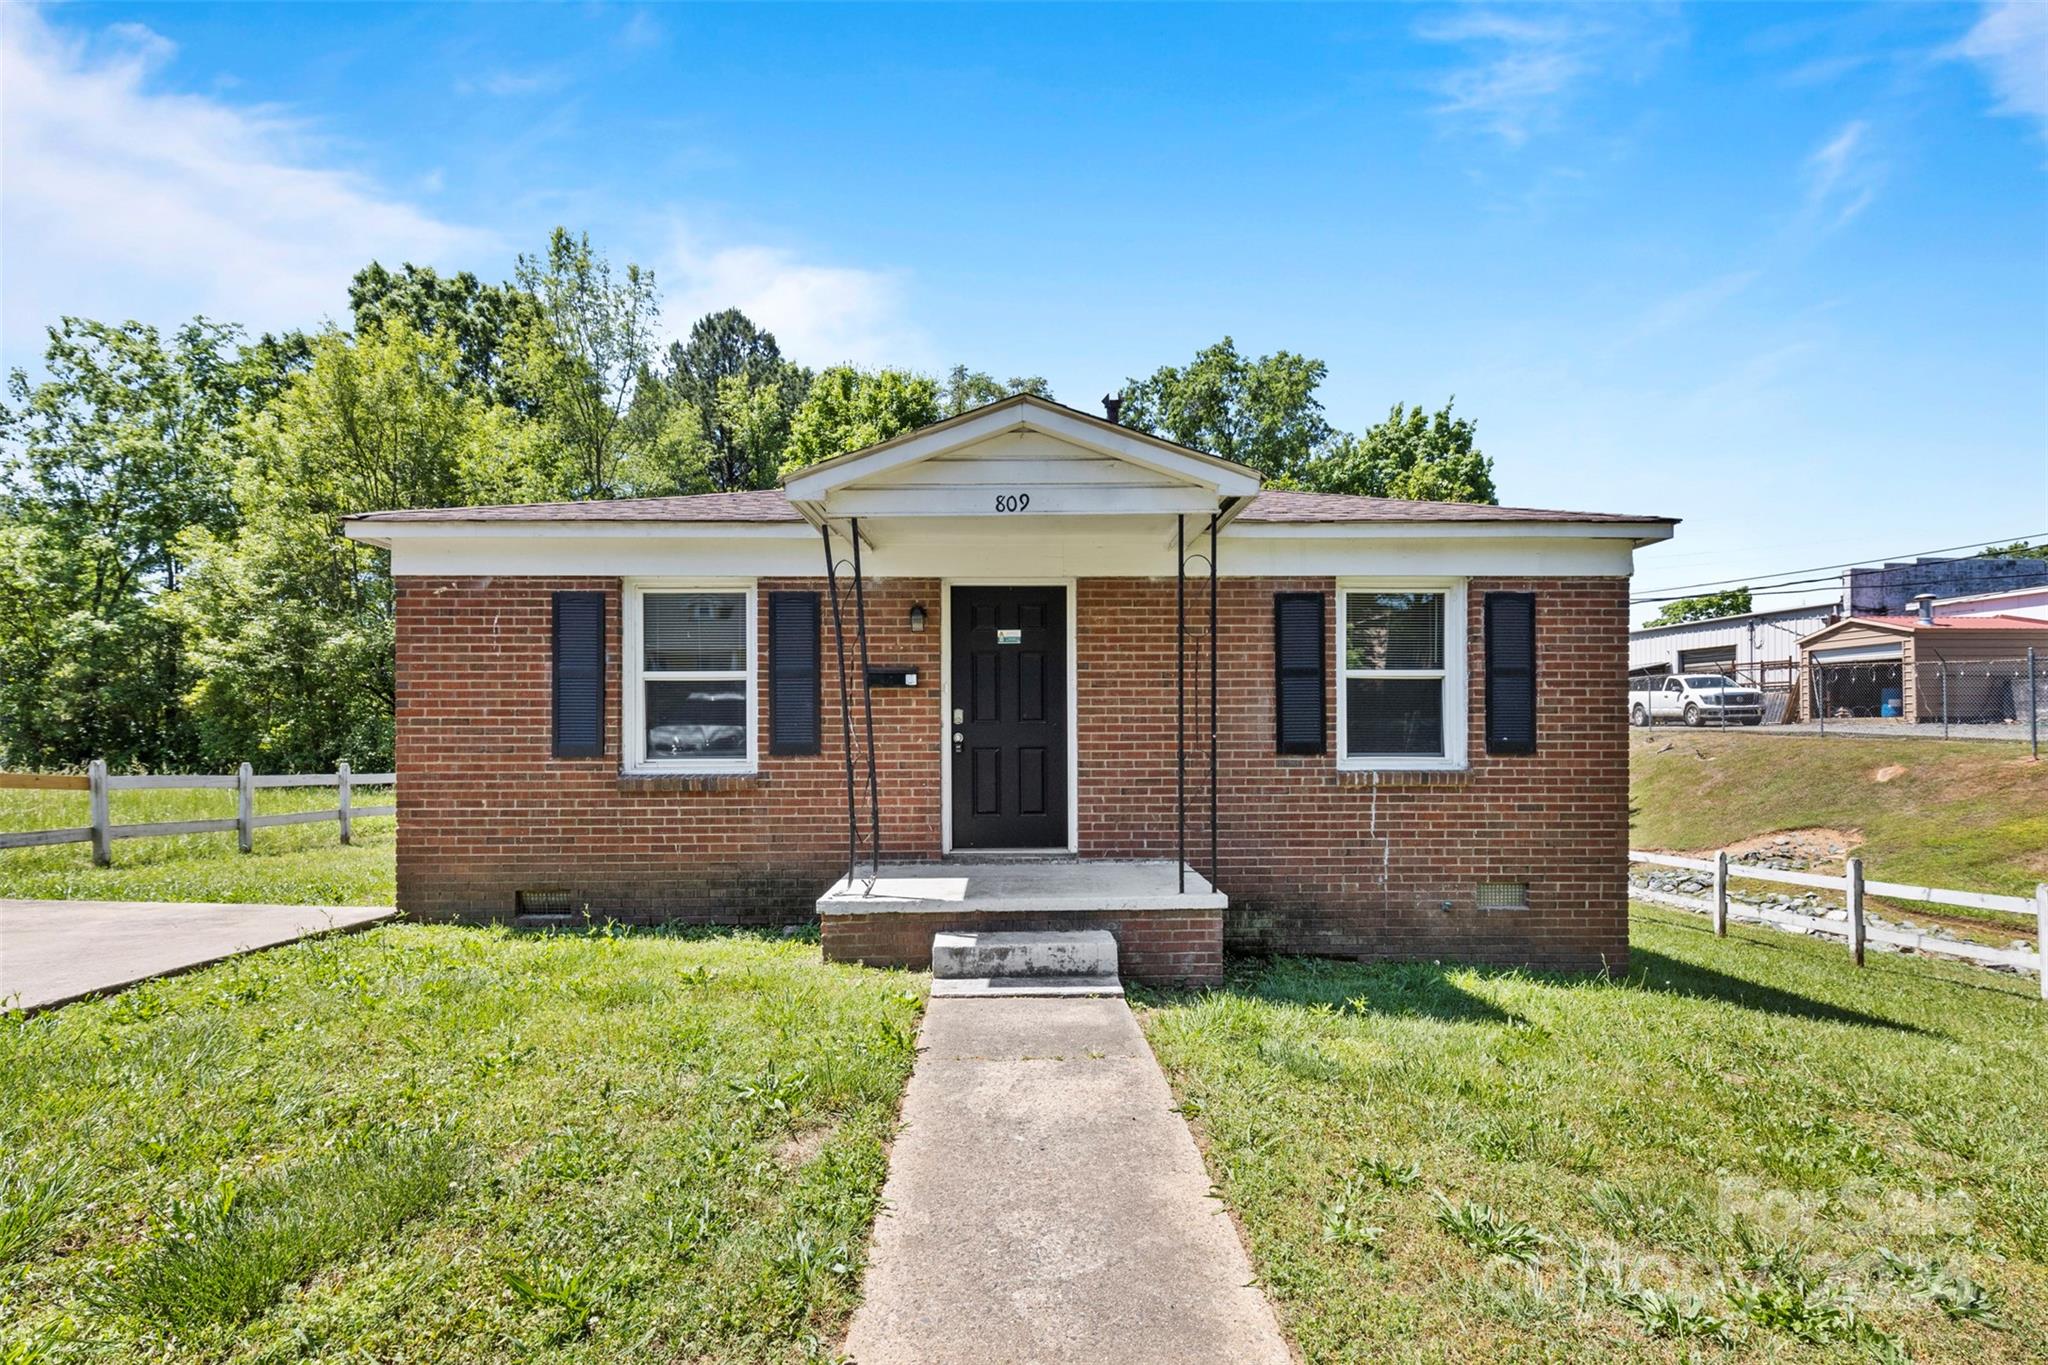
958	740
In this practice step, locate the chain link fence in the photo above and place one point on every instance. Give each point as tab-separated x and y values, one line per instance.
1961	698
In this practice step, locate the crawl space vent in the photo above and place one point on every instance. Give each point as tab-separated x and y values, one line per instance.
543	902
1503	896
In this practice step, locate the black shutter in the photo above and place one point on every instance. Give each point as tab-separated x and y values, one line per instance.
1298	692
1511	673
793	673
579	675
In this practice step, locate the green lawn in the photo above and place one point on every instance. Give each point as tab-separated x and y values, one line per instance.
1966	814
1745	1151
292	864
429	1143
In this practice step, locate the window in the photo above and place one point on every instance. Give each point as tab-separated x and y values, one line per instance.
1402	655
690	688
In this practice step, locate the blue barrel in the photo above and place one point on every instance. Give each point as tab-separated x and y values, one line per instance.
1890	702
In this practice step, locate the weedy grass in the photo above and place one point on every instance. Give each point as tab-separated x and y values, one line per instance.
291	865
1968	814
1743	1150
443	1144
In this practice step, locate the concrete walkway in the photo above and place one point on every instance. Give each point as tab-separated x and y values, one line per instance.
54	952
1046	1204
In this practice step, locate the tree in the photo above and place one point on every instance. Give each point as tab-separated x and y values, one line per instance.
1708	606
584	357
849	408
483	320
2019	549
288	624
965	389
1263	412
733	377
1412	454
125	444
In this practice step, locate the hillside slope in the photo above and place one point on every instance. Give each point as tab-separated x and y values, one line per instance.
1968	814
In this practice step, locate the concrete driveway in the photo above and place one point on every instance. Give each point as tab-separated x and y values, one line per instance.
54	952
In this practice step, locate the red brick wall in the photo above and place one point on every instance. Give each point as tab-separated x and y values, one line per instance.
1313	860
1155	946
485	810
1319	861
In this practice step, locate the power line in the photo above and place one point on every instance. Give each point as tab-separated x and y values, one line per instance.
1988	583
1852	564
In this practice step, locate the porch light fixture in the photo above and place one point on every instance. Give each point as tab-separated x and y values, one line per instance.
917	618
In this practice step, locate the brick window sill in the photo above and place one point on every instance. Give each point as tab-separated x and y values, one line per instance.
631	783
1397	777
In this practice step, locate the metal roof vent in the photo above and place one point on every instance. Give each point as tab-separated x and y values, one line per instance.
1925	601
1112	406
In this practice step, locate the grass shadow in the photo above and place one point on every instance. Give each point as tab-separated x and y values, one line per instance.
1650	970
1422	990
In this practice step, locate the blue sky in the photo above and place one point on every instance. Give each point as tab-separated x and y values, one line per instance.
1780	271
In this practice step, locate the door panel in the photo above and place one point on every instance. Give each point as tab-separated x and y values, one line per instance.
1010	747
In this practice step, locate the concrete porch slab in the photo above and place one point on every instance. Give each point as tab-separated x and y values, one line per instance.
1025	888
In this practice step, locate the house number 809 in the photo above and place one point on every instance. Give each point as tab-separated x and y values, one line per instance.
1012	502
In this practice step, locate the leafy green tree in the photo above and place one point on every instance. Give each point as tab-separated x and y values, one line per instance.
1412	454
124	444
483	320
288	624
965	389
849	408
733	376
1706	607
1261	412
2019	549
665	449
584	357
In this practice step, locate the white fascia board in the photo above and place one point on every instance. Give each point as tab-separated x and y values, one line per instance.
1638	533
1220	476
978	503
1116	550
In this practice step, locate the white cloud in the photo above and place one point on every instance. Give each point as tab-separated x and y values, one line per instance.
1842	176
820	314
2010	43
507	84
1525	65
120	199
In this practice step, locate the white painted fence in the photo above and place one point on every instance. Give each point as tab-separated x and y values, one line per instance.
1854	888
102	832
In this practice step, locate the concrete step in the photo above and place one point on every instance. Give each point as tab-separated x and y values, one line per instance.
1084	953
998	987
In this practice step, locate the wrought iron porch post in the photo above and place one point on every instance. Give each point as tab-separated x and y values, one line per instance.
845	705
1180	697
1213	518
867	698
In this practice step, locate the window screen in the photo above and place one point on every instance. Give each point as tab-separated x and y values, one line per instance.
694	676
1394	675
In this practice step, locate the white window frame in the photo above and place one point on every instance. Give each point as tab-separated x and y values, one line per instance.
1456	692
633	704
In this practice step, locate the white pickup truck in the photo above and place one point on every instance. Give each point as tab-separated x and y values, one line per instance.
1695	698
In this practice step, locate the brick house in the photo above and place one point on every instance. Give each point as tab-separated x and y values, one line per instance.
968	679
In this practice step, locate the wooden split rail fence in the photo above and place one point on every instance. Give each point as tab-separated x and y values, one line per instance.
1854	888
102	832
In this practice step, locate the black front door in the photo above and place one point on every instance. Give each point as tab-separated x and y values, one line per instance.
1009	714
